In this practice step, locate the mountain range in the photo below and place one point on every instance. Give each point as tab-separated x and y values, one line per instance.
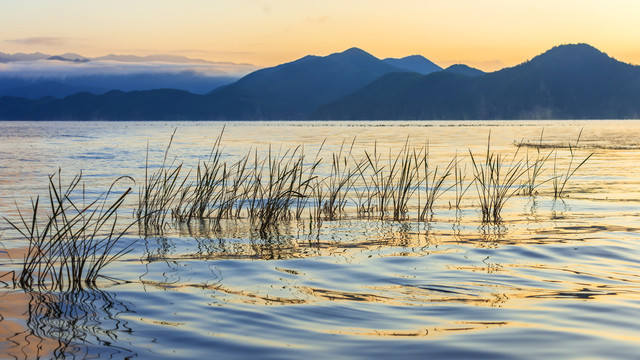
568	81
7	58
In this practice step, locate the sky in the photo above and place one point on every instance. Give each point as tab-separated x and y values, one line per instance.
489	34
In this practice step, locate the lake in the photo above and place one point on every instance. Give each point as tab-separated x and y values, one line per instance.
553	277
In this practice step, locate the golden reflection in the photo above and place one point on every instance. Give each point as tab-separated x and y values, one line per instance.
340	238
240	296
334	295
406	294
445	328
355	239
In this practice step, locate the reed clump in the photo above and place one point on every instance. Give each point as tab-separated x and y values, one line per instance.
286	185
207	195
69	243
158	192
434	181
285	180
338	183
404	178
495	181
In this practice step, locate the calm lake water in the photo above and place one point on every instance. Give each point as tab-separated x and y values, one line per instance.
557	278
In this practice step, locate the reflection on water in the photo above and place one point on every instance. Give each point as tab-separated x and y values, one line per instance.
77	324
558	278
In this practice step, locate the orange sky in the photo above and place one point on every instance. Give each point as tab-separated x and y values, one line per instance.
487	34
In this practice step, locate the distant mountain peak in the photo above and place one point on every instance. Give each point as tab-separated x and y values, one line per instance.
465	70
62	58
577	46
572	52
414	63
355	51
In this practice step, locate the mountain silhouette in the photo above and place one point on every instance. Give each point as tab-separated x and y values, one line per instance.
73	60
415	63
288	91
60	87
164	104
293	90
463	69
48	88
566	82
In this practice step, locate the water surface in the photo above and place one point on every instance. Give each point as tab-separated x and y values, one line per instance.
558	278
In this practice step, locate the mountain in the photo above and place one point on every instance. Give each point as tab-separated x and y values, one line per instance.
48	88
464	70
288	91
161	58
415	63
293	90
566	82
164	104
187	81
6	58
60	87
73	60
176	59
39	75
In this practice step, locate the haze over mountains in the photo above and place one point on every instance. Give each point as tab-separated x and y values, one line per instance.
569	81
37	75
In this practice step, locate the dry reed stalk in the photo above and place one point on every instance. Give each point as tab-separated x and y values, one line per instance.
433	184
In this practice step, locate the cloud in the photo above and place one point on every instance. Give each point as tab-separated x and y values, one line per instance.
62	69
40	41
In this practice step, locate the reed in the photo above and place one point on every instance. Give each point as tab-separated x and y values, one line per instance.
281	188
535	167
158	192
495	182
202	198
561	178
318	199
433	183
407	182
364	192
338	183
460	177
307	188
239	186
381	181
283	185
69	244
